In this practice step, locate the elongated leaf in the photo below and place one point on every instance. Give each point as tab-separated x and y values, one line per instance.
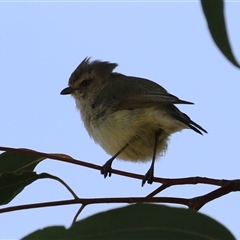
16	162
214	13
13	183
140	221
16	172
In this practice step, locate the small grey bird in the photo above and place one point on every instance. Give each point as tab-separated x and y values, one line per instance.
131	118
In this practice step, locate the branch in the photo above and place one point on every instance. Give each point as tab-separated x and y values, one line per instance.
165	181
230	186
225	186
88	201
193	203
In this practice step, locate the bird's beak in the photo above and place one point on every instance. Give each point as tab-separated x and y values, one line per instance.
67	90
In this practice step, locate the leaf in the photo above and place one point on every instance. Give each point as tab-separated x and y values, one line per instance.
13	183
16	172
214	13
16	162
140	221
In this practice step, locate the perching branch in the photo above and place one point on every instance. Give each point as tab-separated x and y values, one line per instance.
225	187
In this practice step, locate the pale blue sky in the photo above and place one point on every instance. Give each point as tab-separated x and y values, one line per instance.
42	43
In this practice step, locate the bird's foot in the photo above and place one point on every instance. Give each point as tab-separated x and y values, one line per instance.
148	177
107	168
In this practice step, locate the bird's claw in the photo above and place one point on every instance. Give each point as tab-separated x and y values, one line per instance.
107	169
148	177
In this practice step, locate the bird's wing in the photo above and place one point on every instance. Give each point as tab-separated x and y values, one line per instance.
123	92
120	94
148	100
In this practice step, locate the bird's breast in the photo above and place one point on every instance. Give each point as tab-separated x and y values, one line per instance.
136	127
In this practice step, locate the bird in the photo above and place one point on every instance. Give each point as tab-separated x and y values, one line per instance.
131	118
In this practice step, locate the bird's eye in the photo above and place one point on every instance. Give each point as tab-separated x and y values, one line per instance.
86	82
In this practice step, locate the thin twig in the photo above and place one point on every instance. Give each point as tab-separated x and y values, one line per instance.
169	182
198	202
78	212
47	175
88	201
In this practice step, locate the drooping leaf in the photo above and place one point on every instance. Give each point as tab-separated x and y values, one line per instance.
13	183
17	162
140	221
214	13
16	172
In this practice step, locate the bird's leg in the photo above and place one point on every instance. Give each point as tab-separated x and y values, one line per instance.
107	167
149	175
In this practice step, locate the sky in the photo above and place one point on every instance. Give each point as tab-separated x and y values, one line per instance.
167	42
